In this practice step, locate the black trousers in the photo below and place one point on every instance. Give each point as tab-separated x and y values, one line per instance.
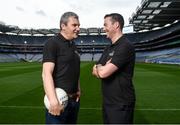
118	114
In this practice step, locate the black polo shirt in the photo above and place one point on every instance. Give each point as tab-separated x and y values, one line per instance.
67	62
118	88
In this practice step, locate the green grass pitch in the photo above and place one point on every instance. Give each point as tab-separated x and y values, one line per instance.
157	92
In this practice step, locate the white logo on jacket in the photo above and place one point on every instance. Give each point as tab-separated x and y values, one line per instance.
111	54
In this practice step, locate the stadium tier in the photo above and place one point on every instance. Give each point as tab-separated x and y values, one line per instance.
155	13
91	45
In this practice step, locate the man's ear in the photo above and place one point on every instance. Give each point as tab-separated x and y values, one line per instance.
116	25
63	26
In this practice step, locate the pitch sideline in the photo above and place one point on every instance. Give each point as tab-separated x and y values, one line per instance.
86	108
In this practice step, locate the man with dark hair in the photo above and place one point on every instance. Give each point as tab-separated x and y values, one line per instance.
115	68
61	69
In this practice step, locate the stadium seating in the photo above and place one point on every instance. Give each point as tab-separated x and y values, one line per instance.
164	42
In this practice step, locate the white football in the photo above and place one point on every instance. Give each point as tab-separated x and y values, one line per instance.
62	98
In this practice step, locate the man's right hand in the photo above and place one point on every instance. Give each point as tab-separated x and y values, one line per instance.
55	108
94	71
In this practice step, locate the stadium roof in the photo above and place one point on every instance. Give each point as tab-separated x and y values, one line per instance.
7	29
155	13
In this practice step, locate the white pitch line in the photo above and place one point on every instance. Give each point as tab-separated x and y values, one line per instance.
159	109
84	108
23	107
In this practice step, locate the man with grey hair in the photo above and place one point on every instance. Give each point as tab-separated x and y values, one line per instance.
61	69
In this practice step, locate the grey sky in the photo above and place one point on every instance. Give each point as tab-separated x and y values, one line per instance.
46	13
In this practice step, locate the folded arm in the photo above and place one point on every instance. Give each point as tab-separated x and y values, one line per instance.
104	71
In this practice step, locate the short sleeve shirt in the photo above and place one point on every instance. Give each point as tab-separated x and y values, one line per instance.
64	55
118	88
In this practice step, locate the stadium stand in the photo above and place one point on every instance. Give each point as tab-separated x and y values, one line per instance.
155	13
157	46
156	37
27	47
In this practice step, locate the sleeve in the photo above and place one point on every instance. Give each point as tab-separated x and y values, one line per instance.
123	55
49	51
100	61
